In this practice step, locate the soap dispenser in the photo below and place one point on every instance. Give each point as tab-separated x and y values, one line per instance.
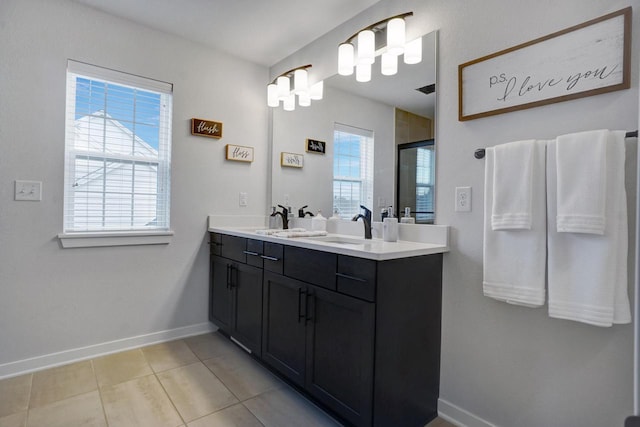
318	222
407	218
273	219
390	227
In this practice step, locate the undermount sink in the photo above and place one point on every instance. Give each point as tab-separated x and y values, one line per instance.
342	240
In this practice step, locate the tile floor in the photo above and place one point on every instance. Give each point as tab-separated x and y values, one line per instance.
201	381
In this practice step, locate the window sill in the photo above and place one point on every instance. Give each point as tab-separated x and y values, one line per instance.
91	240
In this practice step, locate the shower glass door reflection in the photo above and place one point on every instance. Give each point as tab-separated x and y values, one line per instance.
416	180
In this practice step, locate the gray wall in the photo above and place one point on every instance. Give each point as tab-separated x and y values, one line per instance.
57	300
508	365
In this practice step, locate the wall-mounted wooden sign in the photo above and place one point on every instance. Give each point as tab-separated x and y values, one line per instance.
208	128
315	146
584	60
291	160
239	153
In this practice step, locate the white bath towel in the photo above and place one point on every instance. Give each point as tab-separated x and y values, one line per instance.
512	182
514	260
581	163
587	273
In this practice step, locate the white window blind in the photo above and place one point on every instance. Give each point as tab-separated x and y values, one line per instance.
117	151
352	169
425	177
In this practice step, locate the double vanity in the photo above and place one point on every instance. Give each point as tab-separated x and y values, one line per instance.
353	323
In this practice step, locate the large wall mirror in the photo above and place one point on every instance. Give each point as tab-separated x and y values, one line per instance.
361	124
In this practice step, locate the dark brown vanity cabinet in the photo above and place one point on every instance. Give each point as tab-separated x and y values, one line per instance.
362	337
236	301
322	341
235	288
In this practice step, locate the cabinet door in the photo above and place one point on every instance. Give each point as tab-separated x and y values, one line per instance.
246	282
283	339
220	293
340	344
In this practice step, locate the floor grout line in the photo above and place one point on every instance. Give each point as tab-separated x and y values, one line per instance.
104	411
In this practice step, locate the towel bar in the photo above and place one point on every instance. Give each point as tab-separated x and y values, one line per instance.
480	152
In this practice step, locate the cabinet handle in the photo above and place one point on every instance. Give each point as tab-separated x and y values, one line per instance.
252	253
228	276
307	317
269	258
231	270
215	244
300	293
346	276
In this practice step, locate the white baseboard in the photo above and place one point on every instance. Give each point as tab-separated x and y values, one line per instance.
38	363
460	417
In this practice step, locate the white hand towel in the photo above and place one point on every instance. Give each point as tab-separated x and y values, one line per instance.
512	172
587	273
514	260
581	170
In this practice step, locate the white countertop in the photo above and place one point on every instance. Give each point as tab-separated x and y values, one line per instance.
344	244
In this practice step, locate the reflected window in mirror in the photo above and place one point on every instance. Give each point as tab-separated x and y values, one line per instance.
352	169
416	179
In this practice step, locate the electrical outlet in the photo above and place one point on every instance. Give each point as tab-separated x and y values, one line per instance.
28	190
382	202
463	199
286	200
243	199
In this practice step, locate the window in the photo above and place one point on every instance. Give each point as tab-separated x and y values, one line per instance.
352	170
117	151
425	177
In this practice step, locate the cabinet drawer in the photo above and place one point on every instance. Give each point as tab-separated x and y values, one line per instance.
356	277
318	268
215	244
254	252
233	247
273	255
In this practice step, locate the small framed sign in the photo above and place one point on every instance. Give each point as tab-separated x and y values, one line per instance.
239	153
587	59
315	146
291	160
207	128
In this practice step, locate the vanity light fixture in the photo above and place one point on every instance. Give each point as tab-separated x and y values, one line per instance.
294	82
368	39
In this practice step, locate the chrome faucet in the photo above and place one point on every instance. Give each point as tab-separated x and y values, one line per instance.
366	220
284	215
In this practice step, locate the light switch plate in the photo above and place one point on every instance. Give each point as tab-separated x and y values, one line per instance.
243	199
28	190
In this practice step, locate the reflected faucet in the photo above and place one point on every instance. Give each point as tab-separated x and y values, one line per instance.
302	213
284	215
366	220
